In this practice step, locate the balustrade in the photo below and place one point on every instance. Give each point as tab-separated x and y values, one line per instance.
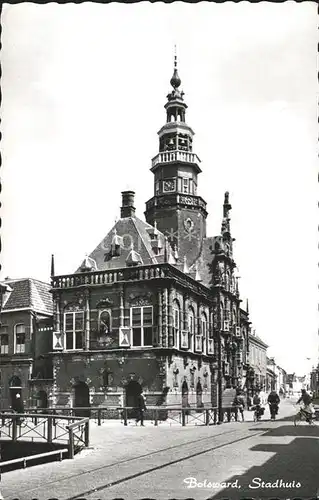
112	276
172	156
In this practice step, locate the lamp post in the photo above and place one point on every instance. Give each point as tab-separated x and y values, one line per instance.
216	288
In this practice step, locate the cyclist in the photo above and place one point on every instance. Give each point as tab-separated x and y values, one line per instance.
273	401
257	405
307	406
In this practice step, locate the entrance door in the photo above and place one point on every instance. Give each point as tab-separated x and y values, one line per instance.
199	395
15	393
184	395
132	392
42	399
82	399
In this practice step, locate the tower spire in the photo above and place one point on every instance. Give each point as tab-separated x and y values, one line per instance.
226	218
175	80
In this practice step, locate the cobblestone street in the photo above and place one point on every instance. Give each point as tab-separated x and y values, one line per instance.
159	462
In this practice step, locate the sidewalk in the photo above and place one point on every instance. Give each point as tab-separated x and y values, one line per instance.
114	449
111	443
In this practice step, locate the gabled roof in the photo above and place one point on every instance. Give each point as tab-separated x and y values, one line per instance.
257	340
29	293
131	231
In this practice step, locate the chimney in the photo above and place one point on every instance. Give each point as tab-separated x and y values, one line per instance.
127	208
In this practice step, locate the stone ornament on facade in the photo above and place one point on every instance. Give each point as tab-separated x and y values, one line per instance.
140	300
188	224
105	302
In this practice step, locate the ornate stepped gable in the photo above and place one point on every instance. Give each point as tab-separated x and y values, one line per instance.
175	231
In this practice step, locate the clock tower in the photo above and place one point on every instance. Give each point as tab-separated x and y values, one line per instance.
176	207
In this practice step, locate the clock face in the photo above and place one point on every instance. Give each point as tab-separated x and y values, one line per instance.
169	185
188	224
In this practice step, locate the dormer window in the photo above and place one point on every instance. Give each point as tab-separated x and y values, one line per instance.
116	244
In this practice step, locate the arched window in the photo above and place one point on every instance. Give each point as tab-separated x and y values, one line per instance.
191	327
234	318
19	338
203	324
227	280
222	316
176	323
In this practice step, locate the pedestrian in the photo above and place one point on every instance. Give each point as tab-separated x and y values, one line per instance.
263	397
239	402
141	407
17	406
273	400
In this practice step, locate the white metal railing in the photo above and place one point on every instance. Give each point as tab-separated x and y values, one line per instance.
34	457
171	156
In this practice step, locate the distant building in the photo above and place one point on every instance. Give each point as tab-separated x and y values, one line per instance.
258	361
25	341
280	380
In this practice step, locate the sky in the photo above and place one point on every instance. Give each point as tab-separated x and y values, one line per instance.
83	94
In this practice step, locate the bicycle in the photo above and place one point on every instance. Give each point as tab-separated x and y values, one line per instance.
258	413
303	415
8	421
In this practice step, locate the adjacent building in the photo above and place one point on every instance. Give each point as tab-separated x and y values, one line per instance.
25	342
257	362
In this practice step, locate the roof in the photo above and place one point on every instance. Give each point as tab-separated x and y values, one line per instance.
133	233
28	293
257	340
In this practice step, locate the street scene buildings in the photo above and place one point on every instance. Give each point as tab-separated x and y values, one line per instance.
156	306
157	335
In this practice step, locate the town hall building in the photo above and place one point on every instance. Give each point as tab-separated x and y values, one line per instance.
154	307
146	309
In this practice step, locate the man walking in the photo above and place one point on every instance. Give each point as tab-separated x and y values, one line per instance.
141	407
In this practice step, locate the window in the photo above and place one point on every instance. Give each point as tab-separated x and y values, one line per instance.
176	323
191	327
142	326
185	185
19	339
73	327
4	340
203	325
157	187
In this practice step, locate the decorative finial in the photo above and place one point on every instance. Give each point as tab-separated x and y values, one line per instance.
52	266
155	224
185	267
175	80
165	249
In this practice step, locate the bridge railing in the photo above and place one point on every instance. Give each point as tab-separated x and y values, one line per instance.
30	458
182	415
45	427
174	413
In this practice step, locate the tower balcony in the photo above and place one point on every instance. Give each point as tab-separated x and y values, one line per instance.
175	156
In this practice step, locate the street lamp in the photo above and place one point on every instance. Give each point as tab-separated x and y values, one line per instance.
217	287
